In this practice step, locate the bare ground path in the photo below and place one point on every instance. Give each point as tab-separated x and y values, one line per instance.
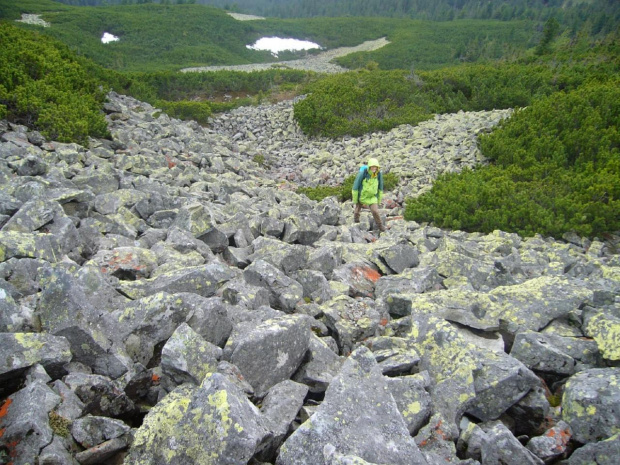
320	63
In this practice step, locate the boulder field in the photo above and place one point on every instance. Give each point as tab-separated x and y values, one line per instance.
166	297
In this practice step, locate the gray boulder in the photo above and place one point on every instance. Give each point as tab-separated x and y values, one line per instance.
498	445
605	452
90	431
213	423
590	404
552	443
279	409
358	417
351	320
400	257
284	292
272	352
302	228
412	399
20	351
188	358
25	423
499	383
320	366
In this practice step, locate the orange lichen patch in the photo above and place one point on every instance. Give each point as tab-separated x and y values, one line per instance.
4	408
436	434
170	161
11	447
561	438
367	273
383	322
122	262
155	378
2	430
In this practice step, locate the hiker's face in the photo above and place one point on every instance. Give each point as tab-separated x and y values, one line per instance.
374	169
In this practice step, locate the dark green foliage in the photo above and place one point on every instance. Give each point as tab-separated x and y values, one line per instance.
359	102
557	169
320	192
356	103
186	110
156	37
431	45
549	32
43	86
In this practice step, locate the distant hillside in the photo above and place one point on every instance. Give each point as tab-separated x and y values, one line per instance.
170	37
601	16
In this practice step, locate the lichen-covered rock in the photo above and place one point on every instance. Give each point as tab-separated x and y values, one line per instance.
552	443
272	352
187	357
203	280
537	352
351	320
19	351
605	452
590	404
451	363
211	424
360	277
24	422
17	244
284	292
605	329
499	383
91	431
412	399
321	366
358	417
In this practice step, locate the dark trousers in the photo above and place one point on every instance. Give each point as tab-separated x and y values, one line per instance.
374	209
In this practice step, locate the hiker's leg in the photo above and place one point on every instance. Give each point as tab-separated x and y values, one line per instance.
374	209
356	212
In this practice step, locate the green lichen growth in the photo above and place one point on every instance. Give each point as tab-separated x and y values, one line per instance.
60	425
606	332
259	159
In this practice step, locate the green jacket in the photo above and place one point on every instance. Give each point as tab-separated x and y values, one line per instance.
366	189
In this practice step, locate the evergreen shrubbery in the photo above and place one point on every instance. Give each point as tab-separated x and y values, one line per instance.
43	86
556	168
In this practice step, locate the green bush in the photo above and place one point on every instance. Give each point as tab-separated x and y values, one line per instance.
320	192
186	110
556	169
44	86
356	103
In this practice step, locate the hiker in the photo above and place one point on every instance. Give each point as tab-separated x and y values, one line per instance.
368	191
